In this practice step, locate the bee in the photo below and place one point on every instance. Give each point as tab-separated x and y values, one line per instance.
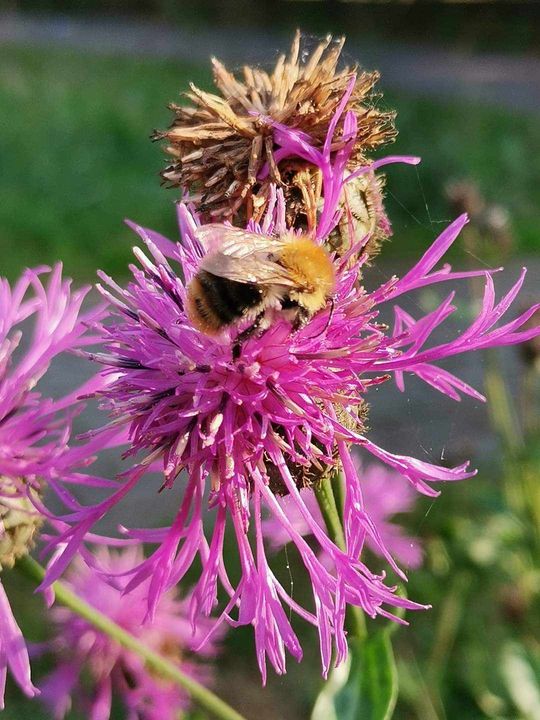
247	276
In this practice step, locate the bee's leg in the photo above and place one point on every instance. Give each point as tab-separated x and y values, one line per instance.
245	334
301	318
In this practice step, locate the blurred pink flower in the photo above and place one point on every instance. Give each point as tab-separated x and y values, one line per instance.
242	426
93	669
13	652
384	493
34	430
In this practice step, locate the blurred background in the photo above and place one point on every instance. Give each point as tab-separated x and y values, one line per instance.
82	87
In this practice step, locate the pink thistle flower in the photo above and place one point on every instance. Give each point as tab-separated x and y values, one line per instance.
81	651
246	428
33	430
385	493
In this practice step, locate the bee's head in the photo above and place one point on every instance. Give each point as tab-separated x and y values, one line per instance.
312	271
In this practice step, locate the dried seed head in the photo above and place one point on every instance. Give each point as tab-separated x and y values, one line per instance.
19	523
220	143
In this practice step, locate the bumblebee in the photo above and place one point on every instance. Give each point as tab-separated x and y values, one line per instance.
247	276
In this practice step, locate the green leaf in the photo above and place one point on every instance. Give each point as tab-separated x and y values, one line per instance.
365	686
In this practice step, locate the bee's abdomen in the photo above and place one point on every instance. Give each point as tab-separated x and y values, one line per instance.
215	302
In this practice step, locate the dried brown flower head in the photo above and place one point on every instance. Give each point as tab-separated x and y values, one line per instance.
220	143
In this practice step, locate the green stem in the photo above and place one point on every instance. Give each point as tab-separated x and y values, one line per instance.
529	404
154	662
446	630
324	493
338	488
329	510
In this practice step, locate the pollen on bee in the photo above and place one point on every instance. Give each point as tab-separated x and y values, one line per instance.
312	271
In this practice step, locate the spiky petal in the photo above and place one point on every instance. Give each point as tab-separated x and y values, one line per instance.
384	493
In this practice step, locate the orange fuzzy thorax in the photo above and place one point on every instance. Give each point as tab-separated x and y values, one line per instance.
199	311
311	270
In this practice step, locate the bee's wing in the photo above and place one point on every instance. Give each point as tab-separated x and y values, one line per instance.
242	256
235	242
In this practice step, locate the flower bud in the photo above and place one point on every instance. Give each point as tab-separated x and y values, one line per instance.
20	521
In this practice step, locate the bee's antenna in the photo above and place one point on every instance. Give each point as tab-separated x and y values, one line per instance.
330	316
